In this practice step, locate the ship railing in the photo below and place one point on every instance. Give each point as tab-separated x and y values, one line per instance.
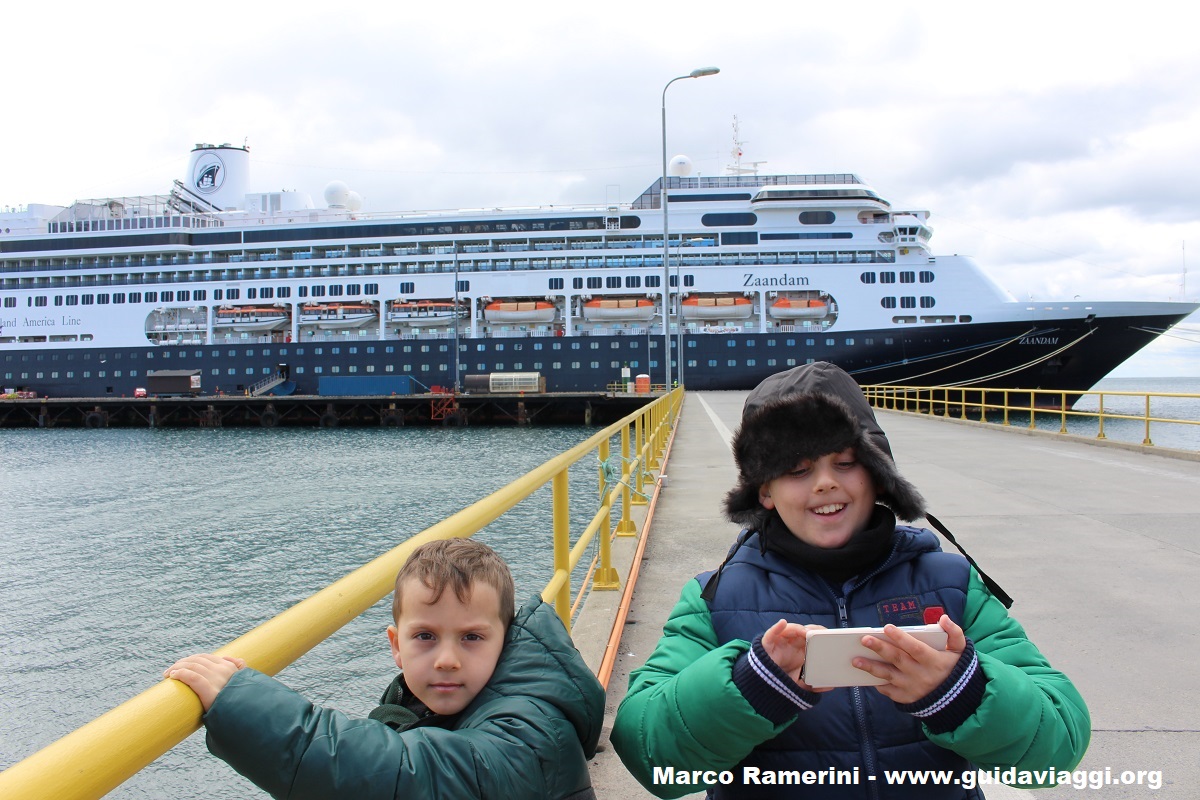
1128	418
96	758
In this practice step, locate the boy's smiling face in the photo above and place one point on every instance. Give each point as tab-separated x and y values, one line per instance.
448	649
824	501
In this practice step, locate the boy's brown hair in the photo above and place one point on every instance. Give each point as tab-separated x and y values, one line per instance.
457	564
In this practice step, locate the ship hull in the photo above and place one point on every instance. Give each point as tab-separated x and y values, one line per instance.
1056	355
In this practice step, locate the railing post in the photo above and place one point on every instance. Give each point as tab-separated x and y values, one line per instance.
639	478
1101	435
562	545
652	436
1006	408
606	576
625	527
1032	407
1062	409
1147	441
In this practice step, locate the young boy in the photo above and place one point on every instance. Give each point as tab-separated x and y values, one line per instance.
819	496
490	703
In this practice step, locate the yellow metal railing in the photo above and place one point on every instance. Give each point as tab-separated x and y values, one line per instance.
1034	406
98	757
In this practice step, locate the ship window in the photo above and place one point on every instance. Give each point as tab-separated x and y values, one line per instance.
334	291
633	281
926	276
594	283
816	217
10	302
301	291
654	281
887	277
353	288
555	283
908	302
887	302
927	302
577	283
907	277
371	288
464	286
613	282
102	299
965	318
266	293
689	280
408	287
867	277
251	294
230	294
830	342
72	300
715	220
88	299
316	291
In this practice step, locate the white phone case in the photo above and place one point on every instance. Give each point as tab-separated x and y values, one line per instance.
830	651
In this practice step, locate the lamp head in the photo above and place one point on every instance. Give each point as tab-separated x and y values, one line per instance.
703	71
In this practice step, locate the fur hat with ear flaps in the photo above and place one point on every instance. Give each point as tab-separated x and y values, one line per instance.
803	414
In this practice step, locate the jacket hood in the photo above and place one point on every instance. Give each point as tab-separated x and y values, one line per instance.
805	413
540	661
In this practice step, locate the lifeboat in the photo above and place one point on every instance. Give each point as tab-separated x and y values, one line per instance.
700	306
251	318
332	316
521	311
619	308
424	313
798	308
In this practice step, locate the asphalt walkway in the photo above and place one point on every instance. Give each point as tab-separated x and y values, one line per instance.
1096	544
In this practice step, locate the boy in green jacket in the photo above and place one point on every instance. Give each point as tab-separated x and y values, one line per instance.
491	701
723	701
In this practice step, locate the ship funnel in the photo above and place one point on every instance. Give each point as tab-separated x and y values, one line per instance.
218	174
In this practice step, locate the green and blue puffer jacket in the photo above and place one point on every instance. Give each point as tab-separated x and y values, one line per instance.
692	706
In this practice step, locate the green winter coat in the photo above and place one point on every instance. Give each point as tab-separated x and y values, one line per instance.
683	710
528	734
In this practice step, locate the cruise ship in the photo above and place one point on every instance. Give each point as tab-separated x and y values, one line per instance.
763	272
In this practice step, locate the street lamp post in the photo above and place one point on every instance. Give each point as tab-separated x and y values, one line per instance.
666	295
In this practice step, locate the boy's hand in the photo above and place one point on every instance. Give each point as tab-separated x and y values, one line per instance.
786	643
912	668
205	674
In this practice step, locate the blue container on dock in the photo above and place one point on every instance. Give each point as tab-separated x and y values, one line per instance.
360	385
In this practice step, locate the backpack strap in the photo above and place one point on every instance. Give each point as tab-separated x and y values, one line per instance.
992	586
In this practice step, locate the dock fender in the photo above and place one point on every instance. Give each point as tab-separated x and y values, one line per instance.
94	419
392	420
329	420
268	419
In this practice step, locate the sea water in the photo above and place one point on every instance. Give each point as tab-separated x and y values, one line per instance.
123	550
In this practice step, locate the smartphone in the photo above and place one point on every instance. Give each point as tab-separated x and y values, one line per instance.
829	653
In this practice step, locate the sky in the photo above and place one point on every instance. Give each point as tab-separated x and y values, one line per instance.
1054	142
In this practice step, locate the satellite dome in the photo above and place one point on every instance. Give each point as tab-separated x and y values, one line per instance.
337	194
680	167
354	201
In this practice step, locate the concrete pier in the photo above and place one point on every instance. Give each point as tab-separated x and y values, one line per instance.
1097	545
